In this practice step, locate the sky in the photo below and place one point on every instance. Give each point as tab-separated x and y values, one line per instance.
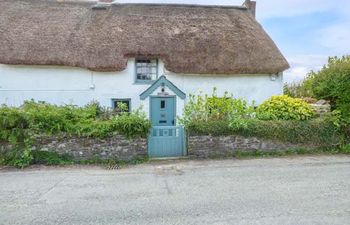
306	31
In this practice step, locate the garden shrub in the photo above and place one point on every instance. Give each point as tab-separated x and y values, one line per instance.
345	149
43	118
318	131
284	107
280	118
206	108
14	129
332	83
18	125
132	124
2	159
51	158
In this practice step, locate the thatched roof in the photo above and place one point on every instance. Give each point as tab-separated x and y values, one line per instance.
189	39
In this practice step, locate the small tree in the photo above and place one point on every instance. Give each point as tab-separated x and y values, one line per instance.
332	83
300	89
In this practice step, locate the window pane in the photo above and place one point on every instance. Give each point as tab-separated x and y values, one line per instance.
146	69
162	104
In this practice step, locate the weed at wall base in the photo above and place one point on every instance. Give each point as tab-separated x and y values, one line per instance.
264	154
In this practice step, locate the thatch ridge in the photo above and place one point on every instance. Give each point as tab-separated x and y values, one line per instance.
188	38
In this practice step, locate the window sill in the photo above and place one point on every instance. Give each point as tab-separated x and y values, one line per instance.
144	82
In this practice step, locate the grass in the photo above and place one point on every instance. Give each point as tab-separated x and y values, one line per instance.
112	161
290	152
51	158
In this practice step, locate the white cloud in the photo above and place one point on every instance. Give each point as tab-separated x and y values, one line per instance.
286	8
301	65
335	37
270	8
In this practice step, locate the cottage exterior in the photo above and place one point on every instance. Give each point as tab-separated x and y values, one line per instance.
154	55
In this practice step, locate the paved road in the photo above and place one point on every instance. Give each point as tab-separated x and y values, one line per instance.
309	190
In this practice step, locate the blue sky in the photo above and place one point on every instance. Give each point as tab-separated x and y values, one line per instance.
306	31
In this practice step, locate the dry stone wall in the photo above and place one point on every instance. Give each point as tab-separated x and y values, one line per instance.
219	146
87	148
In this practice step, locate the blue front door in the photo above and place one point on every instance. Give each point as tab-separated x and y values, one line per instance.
163	111
165	139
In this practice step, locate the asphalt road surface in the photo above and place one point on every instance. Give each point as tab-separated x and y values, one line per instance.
299	190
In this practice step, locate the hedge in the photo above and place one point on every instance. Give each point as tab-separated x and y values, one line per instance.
91	120
19	126
319	131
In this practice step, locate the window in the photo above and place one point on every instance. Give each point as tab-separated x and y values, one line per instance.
162	104
146	70
121	105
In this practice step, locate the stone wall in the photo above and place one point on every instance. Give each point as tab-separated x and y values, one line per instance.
321	109
220	146
122	148
88	148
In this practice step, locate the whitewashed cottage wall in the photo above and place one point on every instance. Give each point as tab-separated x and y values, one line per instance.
66	85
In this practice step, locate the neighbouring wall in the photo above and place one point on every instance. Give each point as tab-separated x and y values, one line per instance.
207	146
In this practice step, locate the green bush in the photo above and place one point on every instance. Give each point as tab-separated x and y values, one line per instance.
280	118
332	83
284	107
2	159
18	157
318	131
206	108
299	89
345	149
132	124
51	158
43	118
18	125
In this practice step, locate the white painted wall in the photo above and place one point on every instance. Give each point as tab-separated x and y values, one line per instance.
66	85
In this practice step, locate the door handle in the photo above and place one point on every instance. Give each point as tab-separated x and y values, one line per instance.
173	122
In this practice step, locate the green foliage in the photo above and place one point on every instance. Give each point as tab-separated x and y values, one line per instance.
318	131
18	125
14	130
207	108
332	83
19	158
132	124
300	89
345	149
2	159
42	118
51	158
280	118
284	108
52	119
211	127
290	152
122	107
